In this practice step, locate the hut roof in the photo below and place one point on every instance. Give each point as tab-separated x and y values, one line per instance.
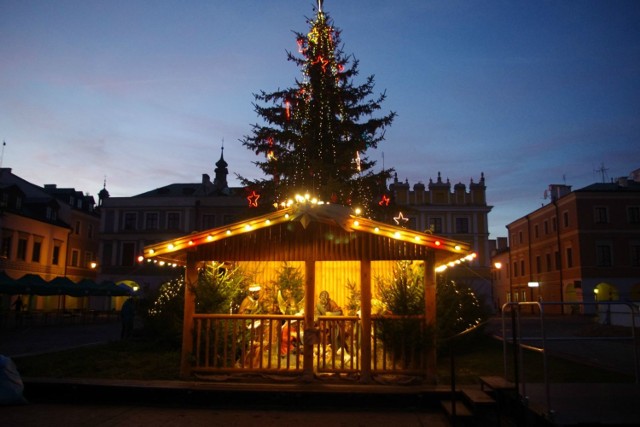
320	232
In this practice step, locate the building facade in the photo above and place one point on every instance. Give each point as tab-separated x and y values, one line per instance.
454	212
131	223
584	246
47	231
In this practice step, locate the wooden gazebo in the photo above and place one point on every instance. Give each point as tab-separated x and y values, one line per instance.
317	237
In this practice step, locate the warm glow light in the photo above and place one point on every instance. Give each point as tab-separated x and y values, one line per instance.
151	251
396	234
417	238
161	262
95	264
228	232
595	291
247	227
457	247
358	211
170	246
286	216
268	222
533	284
190	242
437	242
356	223
209	237
377	230
497	265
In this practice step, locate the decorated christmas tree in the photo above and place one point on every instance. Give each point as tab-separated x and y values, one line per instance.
316	134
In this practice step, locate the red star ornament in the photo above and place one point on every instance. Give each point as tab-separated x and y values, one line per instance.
253	199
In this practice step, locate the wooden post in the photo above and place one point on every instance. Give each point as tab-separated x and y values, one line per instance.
190	279
365	319
310	333
430	313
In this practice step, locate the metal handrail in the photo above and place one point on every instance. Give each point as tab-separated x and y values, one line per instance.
519	378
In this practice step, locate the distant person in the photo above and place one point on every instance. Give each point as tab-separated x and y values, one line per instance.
127	314
18	306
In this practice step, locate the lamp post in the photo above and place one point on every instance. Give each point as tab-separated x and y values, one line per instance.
532	286
494	273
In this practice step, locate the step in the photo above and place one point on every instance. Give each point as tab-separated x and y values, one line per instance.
462	410
477	397
496	383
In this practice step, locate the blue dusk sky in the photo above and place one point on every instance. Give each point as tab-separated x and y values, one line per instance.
530	93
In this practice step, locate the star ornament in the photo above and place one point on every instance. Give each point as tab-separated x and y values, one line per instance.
384	201
400	219
253	199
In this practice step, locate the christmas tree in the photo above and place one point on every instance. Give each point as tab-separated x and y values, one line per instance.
316	134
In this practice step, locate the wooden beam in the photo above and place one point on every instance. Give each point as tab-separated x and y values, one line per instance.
190	279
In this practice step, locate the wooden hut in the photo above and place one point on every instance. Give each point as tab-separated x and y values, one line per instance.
331	245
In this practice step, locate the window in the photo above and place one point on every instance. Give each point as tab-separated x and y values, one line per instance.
22	249
601	215
55	259
130	221
524	296
633	214
151	221
520	237
128	254
522	271
569	257
88	259
603	255
35	255
107	254
546	227
554	224
6	247
435	225
462	225
565	219
90	231
515	269
75	258
557	256
548	258
76	230
535	231
635	254
538	264
173	221
208	221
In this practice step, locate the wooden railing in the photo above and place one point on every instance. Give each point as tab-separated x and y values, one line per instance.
274	343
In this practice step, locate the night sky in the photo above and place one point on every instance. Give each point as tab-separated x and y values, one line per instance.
531	93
